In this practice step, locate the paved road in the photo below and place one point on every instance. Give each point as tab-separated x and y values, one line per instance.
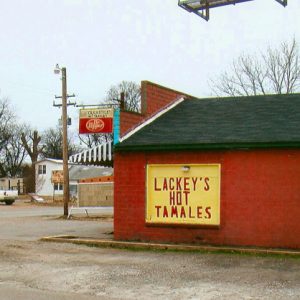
25	221
23	208
35	270
16	211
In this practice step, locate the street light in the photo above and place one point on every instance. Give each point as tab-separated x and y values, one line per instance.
66	195
57	69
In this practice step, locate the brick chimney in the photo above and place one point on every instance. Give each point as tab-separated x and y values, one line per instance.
154	97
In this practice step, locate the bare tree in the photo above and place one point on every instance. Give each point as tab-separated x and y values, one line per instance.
93	140
52	144
276	71
7	118
7	125
13	153
132	92
31	142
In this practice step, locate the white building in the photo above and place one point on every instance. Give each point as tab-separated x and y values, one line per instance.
43	170
12	183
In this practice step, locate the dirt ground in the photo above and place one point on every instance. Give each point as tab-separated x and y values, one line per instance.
31	269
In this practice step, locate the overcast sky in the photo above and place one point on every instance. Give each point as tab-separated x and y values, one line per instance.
103	42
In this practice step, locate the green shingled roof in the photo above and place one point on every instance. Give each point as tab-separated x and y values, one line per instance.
223	123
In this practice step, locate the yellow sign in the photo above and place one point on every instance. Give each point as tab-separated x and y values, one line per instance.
57	176
183	194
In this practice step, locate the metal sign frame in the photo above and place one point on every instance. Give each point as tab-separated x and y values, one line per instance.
202	7
183	194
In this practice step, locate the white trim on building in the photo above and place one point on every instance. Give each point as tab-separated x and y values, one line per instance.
151	119
101	153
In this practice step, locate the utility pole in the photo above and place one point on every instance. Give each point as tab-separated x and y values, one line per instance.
64	105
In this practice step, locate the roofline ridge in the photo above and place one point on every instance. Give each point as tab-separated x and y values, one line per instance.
49	159
244	96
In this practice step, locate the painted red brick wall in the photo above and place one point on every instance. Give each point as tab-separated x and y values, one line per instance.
129	120
260	198
154	97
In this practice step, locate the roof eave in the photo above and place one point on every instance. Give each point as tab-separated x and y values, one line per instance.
215	146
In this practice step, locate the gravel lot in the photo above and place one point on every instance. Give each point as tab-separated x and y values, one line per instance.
30	269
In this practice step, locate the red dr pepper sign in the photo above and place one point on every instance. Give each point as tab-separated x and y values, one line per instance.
96	120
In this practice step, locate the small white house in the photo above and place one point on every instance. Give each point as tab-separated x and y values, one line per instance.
43	184
46	188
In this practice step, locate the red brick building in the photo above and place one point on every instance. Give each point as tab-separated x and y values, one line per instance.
254	141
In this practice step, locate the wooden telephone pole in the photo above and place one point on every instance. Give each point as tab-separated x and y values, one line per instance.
64	105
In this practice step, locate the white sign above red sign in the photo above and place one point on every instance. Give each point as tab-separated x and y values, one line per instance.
96	120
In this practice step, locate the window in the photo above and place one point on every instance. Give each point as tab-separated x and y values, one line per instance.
42	169
58	187
73	189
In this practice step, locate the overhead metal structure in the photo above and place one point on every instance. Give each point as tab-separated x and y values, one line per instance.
202	7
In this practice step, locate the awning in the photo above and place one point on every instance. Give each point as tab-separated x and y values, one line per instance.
97	155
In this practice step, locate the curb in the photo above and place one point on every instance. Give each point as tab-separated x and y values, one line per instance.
107	243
